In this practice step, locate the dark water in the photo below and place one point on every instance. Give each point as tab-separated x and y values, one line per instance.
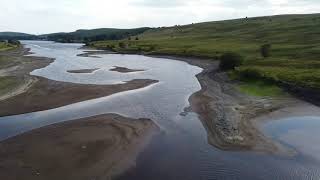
181	150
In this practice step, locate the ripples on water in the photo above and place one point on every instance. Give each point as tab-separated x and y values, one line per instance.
181	151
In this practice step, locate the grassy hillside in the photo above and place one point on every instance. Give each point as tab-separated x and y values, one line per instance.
295	40
94	35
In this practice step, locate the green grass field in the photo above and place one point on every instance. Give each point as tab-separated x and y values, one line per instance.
6	46
295	40
261	88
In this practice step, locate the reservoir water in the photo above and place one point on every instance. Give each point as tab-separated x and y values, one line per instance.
181	150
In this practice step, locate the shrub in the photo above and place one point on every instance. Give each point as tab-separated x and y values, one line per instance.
122	45
137	38
247	74
152	48
87	43
265	50
229	61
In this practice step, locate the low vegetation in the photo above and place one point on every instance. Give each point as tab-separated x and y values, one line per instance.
7	45
260	88
282	48
229	61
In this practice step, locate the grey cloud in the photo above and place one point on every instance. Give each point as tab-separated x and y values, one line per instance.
159	3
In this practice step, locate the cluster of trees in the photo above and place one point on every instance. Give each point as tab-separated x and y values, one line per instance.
14	42
10	41
230	60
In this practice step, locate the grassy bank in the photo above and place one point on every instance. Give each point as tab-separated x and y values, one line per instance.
295	41
6	46
260	88
8	83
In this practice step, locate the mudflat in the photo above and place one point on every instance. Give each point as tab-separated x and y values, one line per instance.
91	148
82	71
33	93
16	66
48	94
124	69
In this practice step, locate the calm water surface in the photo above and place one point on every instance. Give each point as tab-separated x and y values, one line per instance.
181	151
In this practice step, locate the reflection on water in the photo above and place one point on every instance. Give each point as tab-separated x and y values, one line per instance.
300	133
181	151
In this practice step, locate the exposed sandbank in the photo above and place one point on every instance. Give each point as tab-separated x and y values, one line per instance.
90	148
19	67
48	94
38	94
125	70
83	70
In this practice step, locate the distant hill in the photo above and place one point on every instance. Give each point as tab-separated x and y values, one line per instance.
82	35
94	35
16	36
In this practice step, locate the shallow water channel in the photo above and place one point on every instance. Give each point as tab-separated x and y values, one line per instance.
181	150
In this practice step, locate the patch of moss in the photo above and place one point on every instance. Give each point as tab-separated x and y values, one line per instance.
261	88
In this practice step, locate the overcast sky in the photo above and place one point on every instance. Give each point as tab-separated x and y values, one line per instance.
46	16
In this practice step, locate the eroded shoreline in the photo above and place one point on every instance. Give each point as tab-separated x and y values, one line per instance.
19	67
38	93
48	94
231	118
96	147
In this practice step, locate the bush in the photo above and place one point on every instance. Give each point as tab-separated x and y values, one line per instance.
229	61
152	48
14	42
122	45
265	50
247	74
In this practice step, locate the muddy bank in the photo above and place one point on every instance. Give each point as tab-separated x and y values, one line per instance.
36	93
82	71
311	95
48	94
229	116
125	70
19	66
90	148
94	52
